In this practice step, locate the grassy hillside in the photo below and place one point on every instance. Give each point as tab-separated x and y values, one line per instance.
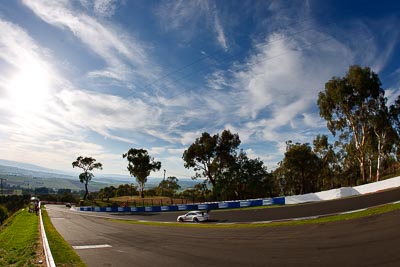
19	241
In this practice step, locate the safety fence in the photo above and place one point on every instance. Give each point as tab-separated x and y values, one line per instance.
198	206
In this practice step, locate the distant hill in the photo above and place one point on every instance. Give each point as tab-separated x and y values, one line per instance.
32	176
9	170
26	166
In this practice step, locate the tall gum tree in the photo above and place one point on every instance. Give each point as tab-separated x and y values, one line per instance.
140	165
346	106
386	138
87	164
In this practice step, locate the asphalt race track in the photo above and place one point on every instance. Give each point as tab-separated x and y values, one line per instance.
368	241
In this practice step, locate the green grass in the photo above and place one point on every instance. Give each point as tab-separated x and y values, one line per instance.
327	219
62	252
19	240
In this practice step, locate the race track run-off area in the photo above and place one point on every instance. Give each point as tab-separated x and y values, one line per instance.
366	241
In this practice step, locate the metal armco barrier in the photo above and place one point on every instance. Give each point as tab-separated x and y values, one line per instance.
200	206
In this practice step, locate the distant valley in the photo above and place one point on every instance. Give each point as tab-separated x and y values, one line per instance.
17	174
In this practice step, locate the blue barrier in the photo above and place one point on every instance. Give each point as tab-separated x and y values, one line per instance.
186	207
278	201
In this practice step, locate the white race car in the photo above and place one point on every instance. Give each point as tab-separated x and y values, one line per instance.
193	216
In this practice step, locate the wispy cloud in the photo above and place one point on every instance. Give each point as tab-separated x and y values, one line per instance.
103	8
178	15
217	80
125	57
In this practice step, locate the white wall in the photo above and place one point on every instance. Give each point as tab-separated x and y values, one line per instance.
344	192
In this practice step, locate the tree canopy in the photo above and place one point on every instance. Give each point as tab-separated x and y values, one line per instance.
210	155
348	105
301	168
140	165
232	175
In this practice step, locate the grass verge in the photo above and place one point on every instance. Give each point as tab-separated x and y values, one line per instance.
327	219
62	252
19	240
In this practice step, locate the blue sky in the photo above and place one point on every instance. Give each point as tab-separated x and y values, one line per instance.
95	78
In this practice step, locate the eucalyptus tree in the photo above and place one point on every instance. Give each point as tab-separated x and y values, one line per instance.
330	161
87	164
168	187
384	131
140	165
394	111
347	105
210	156
301	169
247	178
107	192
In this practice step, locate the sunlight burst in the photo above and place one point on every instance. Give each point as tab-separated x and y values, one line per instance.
29	88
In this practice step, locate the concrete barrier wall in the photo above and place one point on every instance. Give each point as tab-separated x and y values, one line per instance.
378	186
344	192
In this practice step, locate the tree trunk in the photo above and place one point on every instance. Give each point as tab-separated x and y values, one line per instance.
86	191
370	169
378	174
142	192
378	164
362	169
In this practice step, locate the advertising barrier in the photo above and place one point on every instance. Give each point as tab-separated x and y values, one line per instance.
187	207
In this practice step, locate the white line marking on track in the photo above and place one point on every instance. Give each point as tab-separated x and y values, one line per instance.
92	246
353	211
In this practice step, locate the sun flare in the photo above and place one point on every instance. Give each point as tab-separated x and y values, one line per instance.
29	88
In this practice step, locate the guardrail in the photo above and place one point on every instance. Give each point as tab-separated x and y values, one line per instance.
47	252
186	207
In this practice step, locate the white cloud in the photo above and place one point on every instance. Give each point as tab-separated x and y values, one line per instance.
178	15
270	78
96	110
217	80
103	8
392	95
220	32
155	151
120	51
189	137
